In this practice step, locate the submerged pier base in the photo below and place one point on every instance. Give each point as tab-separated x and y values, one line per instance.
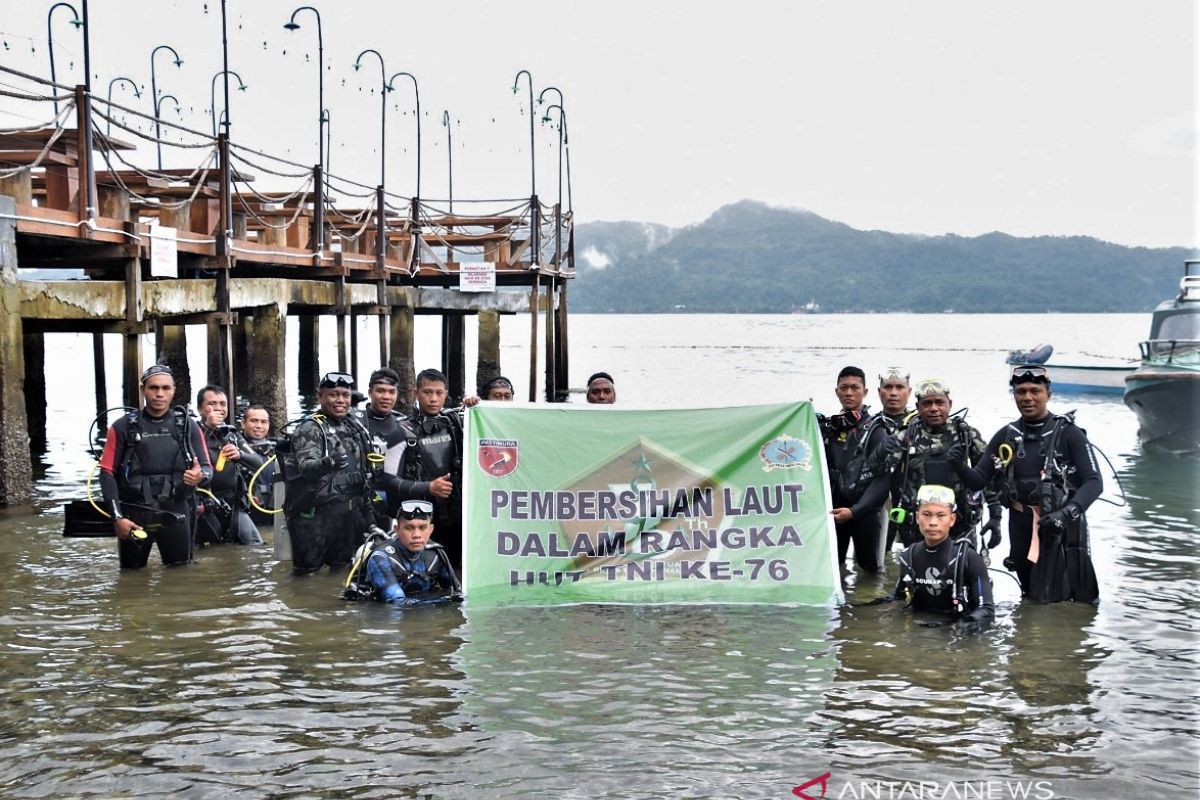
266	339
16	469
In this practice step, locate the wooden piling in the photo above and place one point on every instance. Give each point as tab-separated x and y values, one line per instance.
266	338
34	356
309	367
171	347
131	355
100	379
551	351
454	362
560	342
488	365
401	351
241	364
16	469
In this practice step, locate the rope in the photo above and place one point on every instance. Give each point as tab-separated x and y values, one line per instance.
520	208
149	118
300	208
330	179
54	123
36	97
267	170
171	206
34	78
204	165
207	143
58	131
281	199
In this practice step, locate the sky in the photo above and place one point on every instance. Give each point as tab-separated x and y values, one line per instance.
1031	118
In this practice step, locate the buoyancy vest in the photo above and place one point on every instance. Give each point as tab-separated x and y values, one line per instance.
156	455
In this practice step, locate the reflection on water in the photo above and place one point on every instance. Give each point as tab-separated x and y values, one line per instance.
232	678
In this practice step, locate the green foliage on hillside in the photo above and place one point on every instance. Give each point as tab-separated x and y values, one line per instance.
749	257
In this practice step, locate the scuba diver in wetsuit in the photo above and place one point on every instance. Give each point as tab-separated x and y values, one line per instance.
1050	478
940	574
226	515
426	456
382	421
408	568
924	457
153	461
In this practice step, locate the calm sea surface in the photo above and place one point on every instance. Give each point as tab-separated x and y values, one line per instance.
231	678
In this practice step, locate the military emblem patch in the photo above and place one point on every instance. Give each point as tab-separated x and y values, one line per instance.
785	452
498	457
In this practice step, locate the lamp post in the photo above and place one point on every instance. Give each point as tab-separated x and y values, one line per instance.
77	22
384	88
417	92
449	154
322	118
532	159
563	139
213	99
136	93
154	93
225	71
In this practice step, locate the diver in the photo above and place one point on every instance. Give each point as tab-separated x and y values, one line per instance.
153	461
382	420
924	456
601	389
857	483
224	515
894	392
941	574
1049	478
256	429
426	456
328	473
407	568
498	388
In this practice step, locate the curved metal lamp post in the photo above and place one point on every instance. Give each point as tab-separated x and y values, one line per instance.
383	90
322	114
417	92
224	119
154	93
532	158
449	154
136	93
77	22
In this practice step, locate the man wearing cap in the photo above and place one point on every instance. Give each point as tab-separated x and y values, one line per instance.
941	574
153	461
923	457
381	417
498	388
327	502
1049	478
409	568
601	390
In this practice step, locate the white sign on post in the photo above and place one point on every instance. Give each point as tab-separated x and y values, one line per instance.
164	253
478	276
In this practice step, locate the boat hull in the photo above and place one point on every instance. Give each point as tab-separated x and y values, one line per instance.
1098	379
1166	402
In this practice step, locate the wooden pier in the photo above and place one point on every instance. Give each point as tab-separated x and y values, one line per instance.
162	249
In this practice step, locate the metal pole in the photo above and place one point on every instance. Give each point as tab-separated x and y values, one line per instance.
225	67
383	90
50	43
417	92
449	154
532	158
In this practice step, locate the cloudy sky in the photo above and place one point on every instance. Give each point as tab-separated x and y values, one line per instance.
1026	117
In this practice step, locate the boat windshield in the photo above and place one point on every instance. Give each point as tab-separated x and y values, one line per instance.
1180	327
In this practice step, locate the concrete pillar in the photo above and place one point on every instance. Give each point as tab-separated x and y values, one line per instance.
16	470
454	361
171	347
241	364
401	357
488	366
266	337
34	345
310	370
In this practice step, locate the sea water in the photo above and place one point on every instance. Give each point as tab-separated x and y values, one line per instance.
232	678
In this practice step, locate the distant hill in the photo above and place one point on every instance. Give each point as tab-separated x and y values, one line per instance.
750	257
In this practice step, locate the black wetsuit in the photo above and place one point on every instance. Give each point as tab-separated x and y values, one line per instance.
142	465
950	578
399	575
264	485
426	448
857	484
1073	479
229	486
383	428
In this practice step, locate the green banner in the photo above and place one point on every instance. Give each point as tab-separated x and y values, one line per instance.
578	504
